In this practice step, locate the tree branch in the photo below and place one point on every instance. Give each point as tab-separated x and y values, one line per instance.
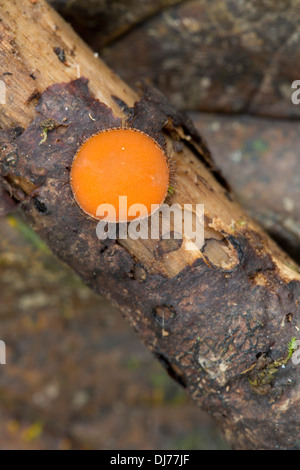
220	319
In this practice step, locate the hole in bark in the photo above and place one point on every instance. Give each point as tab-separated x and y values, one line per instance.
138	273
221	253
218	249
289	317
34	96
40	206
123	106
60	54
164	316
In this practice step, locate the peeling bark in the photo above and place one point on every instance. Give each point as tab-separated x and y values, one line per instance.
222	331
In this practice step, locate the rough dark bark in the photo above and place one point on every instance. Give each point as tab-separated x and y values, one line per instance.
221	56
103	21
211	342
254	63
220	322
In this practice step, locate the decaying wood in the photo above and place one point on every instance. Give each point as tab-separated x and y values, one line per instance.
220	319
219	56
103	21
238	72
261	159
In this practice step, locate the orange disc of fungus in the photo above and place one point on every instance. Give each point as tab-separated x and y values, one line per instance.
119	162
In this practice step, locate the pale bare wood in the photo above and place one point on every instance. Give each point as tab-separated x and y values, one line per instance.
30	33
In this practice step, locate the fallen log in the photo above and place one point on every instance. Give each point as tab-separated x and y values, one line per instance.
261	160
223	319
214	56
106	21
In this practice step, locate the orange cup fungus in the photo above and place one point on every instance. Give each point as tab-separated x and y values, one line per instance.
120	162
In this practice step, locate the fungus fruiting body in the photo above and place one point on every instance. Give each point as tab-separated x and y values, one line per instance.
120	162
